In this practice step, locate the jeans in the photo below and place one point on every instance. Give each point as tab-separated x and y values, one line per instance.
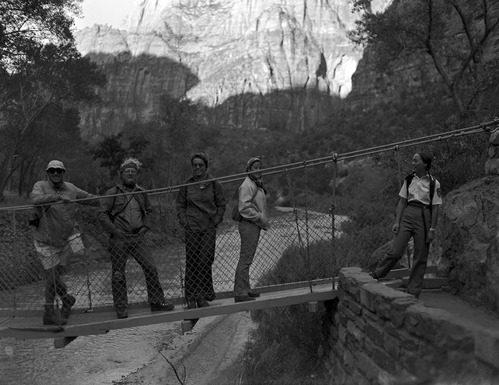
54	284
415	223
121	248
199	257
250	234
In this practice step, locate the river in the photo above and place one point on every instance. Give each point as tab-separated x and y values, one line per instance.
107	359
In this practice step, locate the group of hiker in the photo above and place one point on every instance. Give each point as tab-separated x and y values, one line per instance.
124	212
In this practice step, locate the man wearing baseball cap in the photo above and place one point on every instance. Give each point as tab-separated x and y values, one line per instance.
56	234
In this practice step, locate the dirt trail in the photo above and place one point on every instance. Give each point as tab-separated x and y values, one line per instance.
207	353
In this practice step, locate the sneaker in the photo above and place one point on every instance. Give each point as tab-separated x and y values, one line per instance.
253	294
243	298
50	318
162	306
121	312
67	303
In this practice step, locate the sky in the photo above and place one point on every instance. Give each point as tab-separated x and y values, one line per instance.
110	12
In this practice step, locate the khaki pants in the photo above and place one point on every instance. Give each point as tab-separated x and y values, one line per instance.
414	224
250	234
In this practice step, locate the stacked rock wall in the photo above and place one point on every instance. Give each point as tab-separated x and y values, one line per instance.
378	335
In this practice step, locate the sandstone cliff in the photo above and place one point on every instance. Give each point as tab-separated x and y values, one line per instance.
235	56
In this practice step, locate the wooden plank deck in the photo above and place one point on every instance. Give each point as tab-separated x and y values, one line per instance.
81	324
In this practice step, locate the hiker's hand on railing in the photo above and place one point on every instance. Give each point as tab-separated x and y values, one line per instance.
119	233
143	230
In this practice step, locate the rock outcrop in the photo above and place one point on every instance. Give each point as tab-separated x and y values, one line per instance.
470	236
258	63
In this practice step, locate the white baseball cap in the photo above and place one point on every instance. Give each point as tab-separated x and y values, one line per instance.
56	164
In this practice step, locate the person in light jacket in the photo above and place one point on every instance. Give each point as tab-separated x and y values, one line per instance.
57	235
252	204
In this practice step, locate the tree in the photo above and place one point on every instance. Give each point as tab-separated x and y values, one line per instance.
25	26
40	68
111	152
54	75
178	118
453	33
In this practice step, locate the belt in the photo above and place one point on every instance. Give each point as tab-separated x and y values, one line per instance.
417	204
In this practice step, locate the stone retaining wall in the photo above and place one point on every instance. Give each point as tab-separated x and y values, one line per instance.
377	335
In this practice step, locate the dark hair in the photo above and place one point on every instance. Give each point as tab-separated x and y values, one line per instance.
200	155
426	158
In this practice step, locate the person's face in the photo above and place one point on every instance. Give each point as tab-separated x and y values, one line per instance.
198	167
256	166
129	176
55	175
418	165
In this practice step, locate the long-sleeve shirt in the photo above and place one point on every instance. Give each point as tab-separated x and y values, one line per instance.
200	206
126	213
58	219
253	209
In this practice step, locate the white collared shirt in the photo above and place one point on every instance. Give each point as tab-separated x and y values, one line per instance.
419	191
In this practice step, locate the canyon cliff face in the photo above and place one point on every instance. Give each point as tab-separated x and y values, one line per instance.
256	63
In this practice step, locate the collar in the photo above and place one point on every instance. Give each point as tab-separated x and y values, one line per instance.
121	187
63	186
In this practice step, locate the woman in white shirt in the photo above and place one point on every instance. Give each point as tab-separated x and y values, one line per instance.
417	214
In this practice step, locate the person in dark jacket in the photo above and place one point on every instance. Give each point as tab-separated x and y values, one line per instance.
200	208
416	217
125	217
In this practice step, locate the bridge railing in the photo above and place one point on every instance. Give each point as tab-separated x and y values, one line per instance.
302	246
297	249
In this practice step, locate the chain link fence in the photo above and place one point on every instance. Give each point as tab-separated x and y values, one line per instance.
311	237
154	264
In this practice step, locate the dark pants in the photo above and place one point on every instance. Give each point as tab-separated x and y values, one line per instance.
54	285
121	248
415	223
199	257
250	234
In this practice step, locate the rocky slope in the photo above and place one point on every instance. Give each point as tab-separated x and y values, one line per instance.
258	63
470	235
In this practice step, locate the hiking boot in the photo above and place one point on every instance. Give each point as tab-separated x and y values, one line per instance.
202	302
121	312
253	294
50	318
162	306
210	297
67	303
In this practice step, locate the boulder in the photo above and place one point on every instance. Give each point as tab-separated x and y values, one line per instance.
469	241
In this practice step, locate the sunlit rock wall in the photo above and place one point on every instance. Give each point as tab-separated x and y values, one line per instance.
234	56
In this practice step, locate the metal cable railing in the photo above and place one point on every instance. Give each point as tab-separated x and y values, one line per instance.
302	245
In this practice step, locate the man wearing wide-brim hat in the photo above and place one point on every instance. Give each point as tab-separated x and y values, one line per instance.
57	235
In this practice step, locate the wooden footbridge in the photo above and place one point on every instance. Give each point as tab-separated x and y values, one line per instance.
101	321
82	323
295	263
